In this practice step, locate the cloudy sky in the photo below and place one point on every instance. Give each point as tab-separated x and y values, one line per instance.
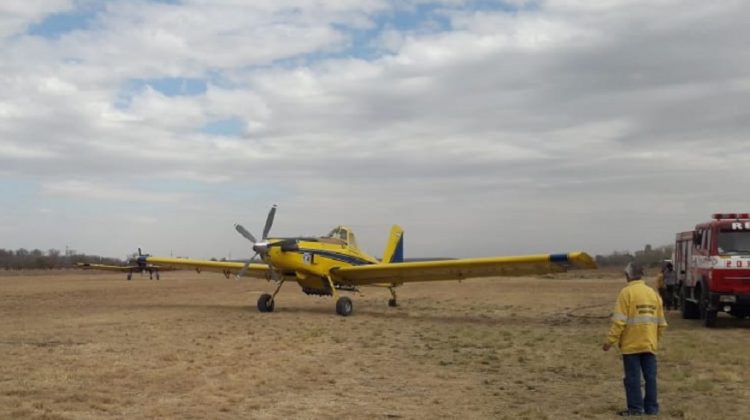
482	127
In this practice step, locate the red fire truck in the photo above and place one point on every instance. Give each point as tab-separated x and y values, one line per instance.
712	264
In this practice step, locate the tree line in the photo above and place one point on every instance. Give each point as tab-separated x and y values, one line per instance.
24	259
648	257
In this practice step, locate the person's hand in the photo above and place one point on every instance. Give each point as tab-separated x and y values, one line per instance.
606	346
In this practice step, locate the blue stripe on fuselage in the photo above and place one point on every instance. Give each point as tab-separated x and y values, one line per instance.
336	256
558	258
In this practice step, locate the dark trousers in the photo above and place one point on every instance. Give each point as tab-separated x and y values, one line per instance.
669	300
663	294
635	365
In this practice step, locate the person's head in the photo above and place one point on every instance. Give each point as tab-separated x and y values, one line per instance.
633	271
669	267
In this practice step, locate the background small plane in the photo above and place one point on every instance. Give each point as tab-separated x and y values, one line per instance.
136	267
334	263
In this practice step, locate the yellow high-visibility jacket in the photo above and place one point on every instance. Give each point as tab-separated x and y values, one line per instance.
637	320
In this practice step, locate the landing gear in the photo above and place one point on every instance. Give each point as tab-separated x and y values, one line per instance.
392	302
157	275
130	275
344	306
265	303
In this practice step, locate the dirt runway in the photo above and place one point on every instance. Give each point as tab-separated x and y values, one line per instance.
88	345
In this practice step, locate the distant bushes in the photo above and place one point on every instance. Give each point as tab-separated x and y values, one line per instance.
648	257
23	259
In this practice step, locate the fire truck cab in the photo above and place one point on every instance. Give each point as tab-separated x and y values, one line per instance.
712	264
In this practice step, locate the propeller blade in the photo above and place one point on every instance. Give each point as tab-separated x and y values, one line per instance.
245	233
269	221
245	267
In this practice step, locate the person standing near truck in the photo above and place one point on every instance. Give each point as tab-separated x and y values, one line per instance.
637	325
670	281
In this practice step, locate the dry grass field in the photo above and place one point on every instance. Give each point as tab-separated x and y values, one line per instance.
89	345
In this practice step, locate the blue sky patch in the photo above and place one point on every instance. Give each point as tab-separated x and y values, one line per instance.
423	18
229	127
58	24
175	86
167	86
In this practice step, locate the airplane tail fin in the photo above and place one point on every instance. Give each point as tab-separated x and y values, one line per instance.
394	248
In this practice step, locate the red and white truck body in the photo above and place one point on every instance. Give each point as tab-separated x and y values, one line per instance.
712	263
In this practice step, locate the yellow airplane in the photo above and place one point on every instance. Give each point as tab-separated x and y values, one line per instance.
138	267
334	263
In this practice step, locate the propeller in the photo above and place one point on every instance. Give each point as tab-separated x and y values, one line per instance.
260	248
140	259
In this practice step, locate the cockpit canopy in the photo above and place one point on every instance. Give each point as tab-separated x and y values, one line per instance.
344	235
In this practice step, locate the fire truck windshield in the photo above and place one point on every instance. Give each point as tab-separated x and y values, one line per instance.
733	243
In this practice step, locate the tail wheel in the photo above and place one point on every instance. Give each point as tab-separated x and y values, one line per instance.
265	303
392	303
344	306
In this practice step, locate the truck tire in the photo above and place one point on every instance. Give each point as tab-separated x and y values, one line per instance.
689	309
708	315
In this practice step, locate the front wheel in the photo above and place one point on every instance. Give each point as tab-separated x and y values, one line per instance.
708	315
265	303
688	309
344	306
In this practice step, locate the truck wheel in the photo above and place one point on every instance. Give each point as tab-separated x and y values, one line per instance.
708	315
689	309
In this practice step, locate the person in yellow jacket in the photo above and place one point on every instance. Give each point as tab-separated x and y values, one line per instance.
637	325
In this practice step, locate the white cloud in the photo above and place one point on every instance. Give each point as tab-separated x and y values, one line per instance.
567	114
107	192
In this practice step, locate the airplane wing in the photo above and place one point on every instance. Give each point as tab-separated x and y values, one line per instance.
122	268
233	267
105	267
397	273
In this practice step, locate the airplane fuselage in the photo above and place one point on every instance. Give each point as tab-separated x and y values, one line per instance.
312	261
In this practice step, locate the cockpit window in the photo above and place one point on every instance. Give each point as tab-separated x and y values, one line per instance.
339	233
343	234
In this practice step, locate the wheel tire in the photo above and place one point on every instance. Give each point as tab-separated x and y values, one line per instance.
707	315
130	276
265	303
157	276
689	309
344	306
392	303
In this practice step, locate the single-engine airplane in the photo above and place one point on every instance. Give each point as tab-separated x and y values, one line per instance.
331	264
136	267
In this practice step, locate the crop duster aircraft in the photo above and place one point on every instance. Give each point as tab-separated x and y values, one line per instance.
136	267
331	264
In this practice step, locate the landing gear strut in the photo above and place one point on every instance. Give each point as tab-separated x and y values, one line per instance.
392	302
